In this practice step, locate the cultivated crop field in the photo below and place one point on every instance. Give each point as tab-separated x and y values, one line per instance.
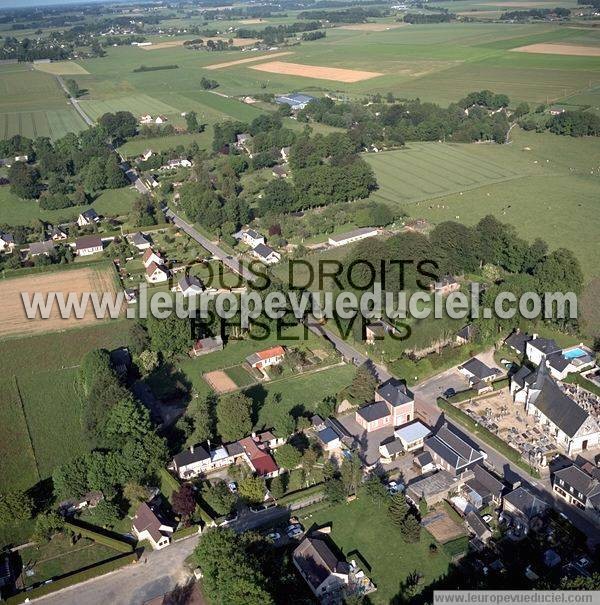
137	104
52	123
13	319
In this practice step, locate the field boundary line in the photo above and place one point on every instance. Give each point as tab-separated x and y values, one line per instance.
18	390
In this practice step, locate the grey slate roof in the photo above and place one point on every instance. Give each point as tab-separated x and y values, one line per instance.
139	239
520	375
452	448
41	247
467	332
484	483
374	411
188	457
558	362
479	369
546	345
263	250
525	502
90	214
189	281
477	524
395	392
424	459
393	446
518	341
565	413
577	479
317	561
88	241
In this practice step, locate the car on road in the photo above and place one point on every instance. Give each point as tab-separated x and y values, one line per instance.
232	486
449	392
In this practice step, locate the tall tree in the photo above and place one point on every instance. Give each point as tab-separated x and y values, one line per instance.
234	416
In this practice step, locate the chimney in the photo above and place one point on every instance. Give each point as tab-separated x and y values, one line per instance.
534	335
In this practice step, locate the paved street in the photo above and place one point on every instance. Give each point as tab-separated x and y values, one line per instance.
233	263
134	584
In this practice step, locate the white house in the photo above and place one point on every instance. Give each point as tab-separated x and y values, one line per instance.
537	349
160	119
88	217
37	248
412	435
321	569
150	257
570	361
58	234
147	154
252	238
285	153
156	274
190	285
140	241
198	460
90	244
329	439
177	163
269	357
266	254
147	526
146	119
352	236
7	242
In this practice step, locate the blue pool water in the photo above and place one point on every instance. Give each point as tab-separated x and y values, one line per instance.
574	353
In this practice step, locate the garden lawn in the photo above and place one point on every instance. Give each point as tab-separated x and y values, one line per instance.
58	557
362	531
299	393
240	376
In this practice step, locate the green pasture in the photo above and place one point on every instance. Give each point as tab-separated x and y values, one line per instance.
428	170
15	211
52	409
240	376
554	198
18	469
137	104
52	123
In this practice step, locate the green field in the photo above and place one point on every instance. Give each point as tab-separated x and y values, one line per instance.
427	170
44	369
15	211
137	104
18	469
55	429
543	184
363	531
32	104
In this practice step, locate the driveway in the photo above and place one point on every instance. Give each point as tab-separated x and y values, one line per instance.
134	584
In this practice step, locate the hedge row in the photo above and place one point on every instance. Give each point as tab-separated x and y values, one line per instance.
185	532
498	444
300	494
113	543
76	578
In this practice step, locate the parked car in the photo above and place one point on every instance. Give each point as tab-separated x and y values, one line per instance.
232	487
487	518
274	536
449	392
294	531
394	487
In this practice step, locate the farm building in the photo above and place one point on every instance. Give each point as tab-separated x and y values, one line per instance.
204	346
90	244
352	236
296	101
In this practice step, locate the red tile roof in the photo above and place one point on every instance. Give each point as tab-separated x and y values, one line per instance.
272	352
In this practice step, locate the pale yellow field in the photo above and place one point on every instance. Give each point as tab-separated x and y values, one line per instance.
314	71
13	319
248	60
61	68
560	49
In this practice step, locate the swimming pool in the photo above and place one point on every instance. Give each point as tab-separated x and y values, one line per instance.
574	353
